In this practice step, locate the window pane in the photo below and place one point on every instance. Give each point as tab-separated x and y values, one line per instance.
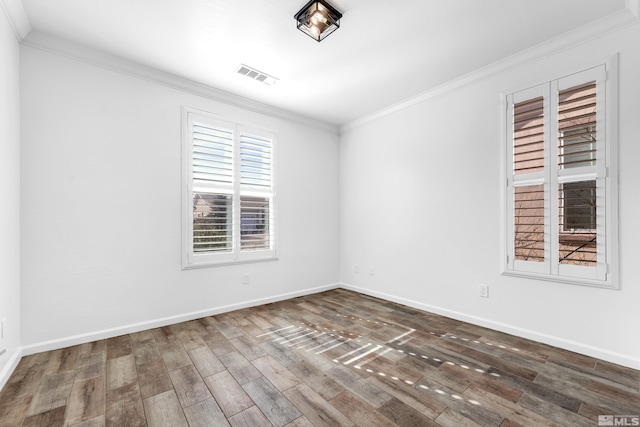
212	222
254	223
529	223
212	154
255	160
528	136
577	216
577	126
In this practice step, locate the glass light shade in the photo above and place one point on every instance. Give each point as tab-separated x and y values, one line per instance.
318	19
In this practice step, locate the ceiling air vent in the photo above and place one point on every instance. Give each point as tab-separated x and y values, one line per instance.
254	74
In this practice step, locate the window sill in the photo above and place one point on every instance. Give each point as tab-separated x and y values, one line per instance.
227	263
608	284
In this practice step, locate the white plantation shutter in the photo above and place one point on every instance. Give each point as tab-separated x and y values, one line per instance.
228	170
557	181
256	190
529	246
581	176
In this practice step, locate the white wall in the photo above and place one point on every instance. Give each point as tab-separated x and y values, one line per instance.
421	203
101	206
10	194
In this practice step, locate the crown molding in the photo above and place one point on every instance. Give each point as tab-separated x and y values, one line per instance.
17	17
619	20
57	46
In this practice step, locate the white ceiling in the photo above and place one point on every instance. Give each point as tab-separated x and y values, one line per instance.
385	50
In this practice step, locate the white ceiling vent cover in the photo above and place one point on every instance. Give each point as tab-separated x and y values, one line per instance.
254	74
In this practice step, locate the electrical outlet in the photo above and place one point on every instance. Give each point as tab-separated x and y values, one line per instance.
484	291
356	268
371	270
245	279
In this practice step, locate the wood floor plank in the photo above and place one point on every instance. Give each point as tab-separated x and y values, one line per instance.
228	393
277	374
153	378
241	369
404	415
315	408
415	398
119	346
277	408
548	394
553	412
93	347
366	390
450	418
617	394
250	417
300	422
222	347
91	365
206	362
121	372
205	414
164	410
506	408
13	411
124	407
22	387
98	421
189	386
327	387
63	360
87	400
228	330
51	418
191	339
53	393
174	355
621	374
609	404
248	347
358	411
450	398
147	352
282	354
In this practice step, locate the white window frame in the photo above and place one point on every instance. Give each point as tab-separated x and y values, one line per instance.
605	273
191	259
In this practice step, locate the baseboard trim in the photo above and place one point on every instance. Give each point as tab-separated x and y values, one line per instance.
141	326
576	347
10	367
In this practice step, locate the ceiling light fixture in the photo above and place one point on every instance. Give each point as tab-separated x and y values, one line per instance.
318	19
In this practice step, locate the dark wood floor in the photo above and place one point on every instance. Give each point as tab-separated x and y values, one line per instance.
330	359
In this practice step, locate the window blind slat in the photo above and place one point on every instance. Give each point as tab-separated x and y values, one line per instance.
528	136
212	222
212	153
577	115
529	223
255	161
255	223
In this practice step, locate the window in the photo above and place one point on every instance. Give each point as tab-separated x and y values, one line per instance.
229	202
560	201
